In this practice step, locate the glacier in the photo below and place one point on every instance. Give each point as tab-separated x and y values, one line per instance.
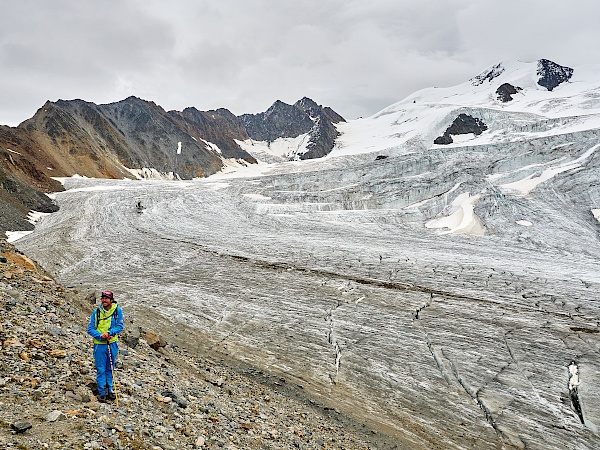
444	295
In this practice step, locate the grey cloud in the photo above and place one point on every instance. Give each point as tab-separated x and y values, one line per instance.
354	56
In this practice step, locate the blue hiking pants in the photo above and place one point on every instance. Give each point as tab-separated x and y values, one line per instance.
104	373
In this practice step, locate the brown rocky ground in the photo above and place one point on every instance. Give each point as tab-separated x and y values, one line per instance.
168	398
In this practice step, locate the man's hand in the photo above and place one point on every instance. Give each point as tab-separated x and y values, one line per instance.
105	336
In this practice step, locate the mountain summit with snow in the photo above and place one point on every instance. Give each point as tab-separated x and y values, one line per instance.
514	100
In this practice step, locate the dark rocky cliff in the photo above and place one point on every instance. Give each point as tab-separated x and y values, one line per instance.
23	181
505	92
153	138
552	74
463	124
219	127
290	121
280	120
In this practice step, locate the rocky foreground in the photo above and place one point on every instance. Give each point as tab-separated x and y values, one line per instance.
168	398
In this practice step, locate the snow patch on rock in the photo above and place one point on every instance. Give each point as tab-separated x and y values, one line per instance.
146	173
282	149
210	146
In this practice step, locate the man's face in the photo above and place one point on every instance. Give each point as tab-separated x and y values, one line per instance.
106	302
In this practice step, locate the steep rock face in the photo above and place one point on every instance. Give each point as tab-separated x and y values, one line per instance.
17	144
289	121
22	180
506	91
219	127
552	74
155	140
332	115
463	124
18	196
75	139
323	132
280	120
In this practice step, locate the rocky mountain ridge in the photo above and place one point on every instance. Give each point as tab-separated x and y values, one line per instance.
135	138
289	121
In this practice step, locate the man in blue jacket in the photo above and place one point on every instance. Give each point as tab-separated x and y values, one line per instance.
106	322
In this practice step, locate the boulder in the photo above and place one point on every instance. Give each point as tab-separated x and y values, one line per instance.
56	415
21	426
131	338
20	260
154	340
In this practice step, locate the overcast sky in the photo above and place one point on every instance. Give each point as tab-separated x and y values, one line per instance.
355	56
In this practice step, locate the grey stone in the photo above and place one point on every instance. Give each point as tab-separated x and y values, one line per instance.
20	426
56	415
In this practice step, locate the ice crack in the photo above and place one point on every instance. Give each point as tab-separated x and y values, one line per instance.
333	341
417	314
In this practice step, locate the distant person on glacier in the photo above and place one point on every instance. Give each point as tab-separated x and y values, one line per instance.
106	322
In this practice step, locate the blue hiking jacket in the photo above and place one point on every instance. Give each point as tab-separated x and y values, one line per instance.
116	325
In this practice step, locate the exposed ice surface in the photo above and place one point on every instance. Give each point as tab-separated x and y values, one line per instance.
326	274
324	278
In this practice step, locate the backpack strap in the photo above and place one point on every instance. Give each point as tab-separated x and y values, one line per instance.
98	319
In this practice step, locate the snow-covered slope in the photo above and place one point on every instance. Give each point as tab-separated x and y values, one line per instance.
548	127
534	111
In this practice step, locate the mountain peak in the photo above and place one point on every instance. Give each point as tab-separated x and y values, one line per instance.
278	104
549	73
552	74
306	103
488	75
